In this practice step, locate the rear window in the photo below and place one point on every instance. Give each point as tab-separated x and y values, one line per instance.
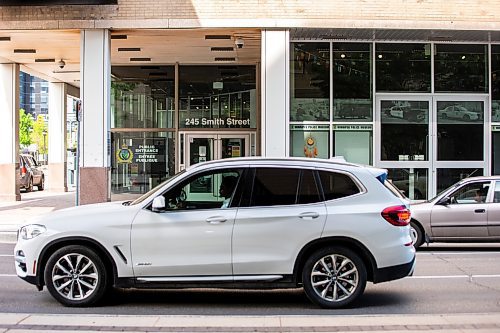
337	185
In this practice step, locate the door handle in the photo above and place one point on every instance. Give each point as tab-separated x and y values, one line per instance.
309	215
216	220
480	211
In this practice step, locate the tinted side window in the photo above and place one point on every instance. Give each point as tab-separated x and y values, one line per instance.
275	186
337	185
308	191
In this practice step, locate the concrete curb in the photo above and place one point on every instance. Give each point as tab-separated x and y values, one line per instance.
481	322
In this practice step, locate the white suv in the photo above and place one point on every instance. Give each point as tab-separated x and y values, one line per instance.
243	222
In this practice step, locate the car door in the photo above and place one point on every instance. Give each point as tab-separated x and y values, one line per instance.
280	212
35	169
465	216
494	212
193	236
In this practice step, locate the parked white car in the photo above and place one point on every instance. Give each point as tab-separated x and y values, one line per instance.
326	225
458	112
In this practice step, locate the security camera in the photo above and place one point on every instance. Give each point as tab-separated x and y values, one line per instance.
239	42
61	64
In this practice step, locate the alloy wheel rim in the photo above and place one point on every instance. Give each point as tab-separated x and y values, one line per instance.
334	278
413	235
75	276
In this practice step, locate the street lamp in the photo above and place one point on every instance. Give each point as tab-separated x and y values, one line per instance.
44	133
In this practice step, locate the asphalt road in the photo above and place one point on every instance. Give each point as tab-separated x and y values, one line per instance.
449	279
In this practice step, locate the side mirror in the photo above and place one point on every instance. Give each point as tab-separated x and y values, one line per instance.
445	201
158	204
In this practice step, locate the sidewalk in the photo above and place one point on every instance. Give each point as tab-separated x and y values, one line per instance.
331	323
14	213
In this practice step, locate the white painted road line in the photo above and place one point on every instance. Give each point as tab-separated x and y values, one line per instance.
454	276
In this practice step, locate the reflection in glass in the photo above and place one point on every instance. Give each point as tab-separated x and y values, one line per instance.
404	130
354	144
412	182
140	161
217	97
460	67
352	82
403	67
309	143
495	83
495	142
447	177
460	130
310	82
142	97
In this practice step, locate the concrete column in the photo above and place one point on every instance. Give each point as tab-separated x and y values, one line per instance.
275	92
57	138
95	138
9	132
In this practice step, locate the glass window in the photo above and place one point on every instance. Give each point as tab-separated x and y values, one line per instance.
208	190
142	97
310	81
353	142
140	161
217	97
275	186
460	67
495	83
496	196
454	120
412	182
403	67
495	141
352	82
398	118
308	191
309	141
337	185
470	193
448	176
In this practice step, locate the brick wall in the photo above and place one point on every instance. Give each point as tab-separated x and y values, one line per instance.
480	14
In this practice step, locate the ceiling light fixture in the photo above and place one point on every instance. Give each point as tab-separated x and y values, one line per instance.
119	36
24	51
129	49
5	39
140	59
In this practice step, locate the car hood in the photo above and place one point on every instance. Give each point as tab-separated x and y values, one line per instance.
87	215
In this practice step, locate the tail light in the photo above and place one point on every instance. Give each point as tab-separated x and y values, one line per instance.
23	171
397	215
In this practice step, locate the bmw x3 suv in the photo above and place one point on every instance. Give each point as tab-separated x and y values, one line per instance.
325	225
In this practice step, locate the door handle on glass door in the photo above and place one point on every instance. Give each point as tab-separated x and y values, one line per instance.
309	215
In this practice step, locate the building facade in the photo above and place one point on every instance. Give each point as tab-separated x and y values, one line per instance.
410	86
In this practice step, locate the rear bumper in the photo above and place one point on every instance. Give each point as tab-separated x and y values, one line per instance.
394	272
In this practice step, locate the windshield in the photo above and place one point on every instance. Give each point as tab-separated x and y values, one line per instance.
445	190
154	189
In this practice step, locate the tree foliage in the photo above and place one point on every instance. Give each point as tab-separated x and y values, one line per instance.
37	135
25	128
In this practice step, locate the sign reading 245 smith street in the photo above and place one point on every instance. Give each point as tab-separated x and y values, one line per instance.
56	2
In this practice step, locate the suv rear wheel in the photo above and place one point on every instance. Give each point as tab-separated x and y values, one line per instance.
334	277
76	276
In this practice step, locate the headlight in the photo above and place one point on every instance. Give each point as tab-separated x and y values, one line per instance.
31	231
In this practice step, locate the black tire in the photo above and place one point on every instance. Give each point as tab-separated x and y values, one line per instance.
29	187
75	288
417	236
466	117
343	287
41	186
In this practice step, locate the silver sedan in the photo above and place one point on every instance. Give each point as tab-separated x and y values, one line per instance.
468	211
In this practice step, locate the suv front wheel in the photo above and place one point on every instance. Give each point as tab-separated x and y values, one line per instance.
334	277
75	275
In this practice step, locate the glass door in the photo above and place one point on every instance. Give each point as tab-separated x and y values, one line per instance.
461	138
403	135
202	147
429	143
